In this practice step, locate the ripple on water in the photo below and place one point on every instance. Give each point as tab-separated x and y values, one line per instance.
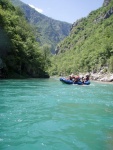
49	115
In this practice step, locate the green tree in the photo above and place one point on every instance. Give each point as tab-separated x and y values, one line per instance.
24	56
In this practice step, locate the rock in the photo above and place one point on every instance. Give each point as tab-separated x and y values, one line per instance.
105	79
102	77
106	3
108	13
111	78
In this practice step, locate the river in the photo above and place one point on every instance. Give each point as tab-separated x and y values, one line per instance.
45	114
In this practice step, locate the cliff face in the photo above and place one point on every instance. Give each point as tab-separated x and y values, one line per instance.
102	16
106	2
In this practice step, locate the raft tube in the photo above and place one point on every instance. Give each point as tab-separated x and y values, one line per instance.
67	81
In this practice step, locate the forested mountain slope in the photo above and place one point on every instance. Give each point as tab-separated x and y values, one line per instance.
51	31
89	47
20	54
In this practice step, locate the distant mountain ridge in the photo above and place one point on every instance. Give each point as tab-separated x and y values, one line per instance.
51	31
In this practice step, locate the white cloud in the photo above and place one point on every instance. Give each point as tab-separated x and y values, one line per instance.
37	9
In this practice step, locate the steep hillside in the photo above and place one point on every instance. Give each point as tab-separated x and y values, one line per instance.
51	31
89	47
20	53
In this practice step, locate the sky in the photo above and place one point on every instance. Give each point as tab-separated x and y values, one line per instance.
65	10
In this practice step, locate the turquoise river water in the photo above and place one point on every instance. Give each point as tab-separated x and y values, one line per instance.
45	114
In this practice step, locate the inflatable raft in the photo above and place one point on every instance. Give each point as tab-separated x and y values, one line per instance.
67	81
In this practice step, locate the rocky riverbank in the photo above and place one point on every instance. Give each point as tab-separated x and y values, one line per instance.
107	77
100	76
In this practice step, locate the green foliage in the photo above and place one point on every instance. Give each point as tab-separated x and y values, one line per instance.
111	64
23	56
89	46
46	52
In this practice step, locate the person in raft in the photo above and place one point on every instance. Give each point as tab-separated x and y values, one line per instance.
82	79
70	77
85	79
74	78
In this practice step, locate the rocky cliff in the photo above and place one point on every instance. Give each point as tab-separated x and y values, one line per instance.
106	2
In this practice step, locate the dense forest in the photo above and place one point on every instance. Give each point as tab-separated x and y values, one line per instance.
50	31
89	47
20	54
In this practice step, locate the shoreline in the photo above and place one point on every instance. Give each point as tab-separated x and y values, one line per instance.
97	77
104	78
103	82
